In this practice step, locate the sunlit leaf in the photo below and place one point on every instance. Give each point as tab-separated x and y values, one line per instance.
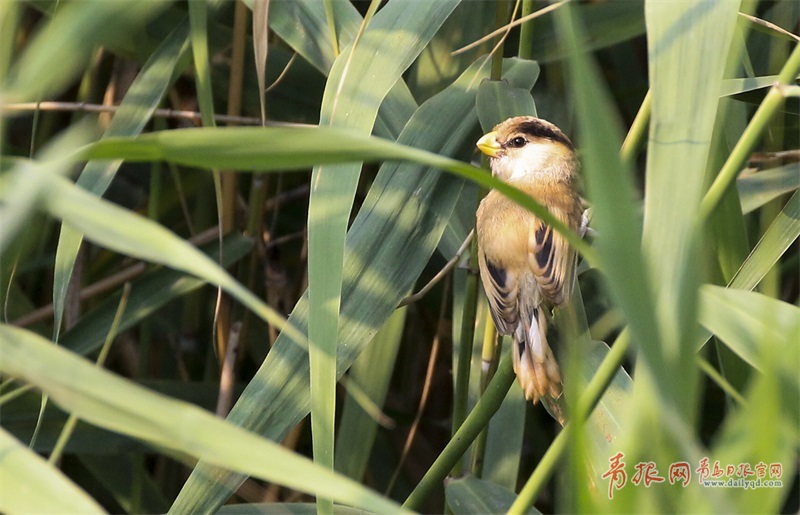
31	485
99	396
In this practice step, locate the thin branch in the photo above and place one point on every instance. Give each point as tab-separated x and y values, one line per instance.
282	75
770	25
764	159
442	273
193	116
227	377
509	26
284	197
107	283
276	242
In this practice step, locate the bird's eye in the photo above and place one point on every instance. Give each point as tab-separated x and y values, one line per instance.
517	142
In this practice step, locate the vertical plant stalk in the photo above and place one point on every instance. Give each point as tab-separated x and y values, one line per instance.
235	80
490	358
260	46
198	23
326	235
351	102
478	418
500	16
525	50
258	184
256	205
461	394
145	332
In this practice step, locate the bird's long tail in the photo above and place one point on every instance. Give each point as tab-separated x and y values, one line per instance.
534	362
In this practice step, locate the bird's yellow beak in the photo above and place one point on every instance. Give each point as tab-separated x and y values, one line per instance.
488	144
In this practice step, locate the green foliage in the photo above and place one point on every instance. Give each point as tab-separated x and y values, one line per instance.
691	275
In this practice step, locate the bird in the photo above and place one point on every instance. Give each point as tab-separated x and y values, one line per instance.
525	266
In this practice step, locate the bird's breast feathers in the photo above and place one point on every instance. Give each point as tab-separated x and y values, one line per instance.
515	241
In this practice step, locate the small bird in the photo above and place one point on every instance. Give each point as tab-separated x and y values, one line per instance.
525	265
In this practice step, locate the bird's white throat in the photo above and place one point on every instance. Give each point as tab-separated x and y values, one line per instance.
527	162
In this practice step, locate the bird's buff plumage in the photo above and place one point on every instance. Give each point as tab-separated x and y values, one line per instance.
525	266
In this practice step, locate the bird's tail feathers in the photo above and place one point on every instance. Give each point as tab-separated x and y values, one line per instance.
534	362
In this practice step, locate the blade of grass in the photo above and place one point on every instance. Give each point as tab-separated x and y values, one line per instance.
408	206
119	405
135	111
738	318
22	195
373	370
78	28
198	36
606	24
727	230
776	240
31	485
679	145
9	21
69	426
678	149
472	495
303	25
276	508
610	188
25	194
783	231
350	101
260	49
757	189
732	87
332	27
269	149
438	66
771	409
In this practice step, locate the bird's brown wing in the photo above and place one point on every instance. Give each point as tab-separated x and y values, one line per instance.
551	258
502	291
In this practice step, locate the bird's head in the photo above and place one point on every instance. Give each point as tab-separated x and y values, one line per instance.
526	147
